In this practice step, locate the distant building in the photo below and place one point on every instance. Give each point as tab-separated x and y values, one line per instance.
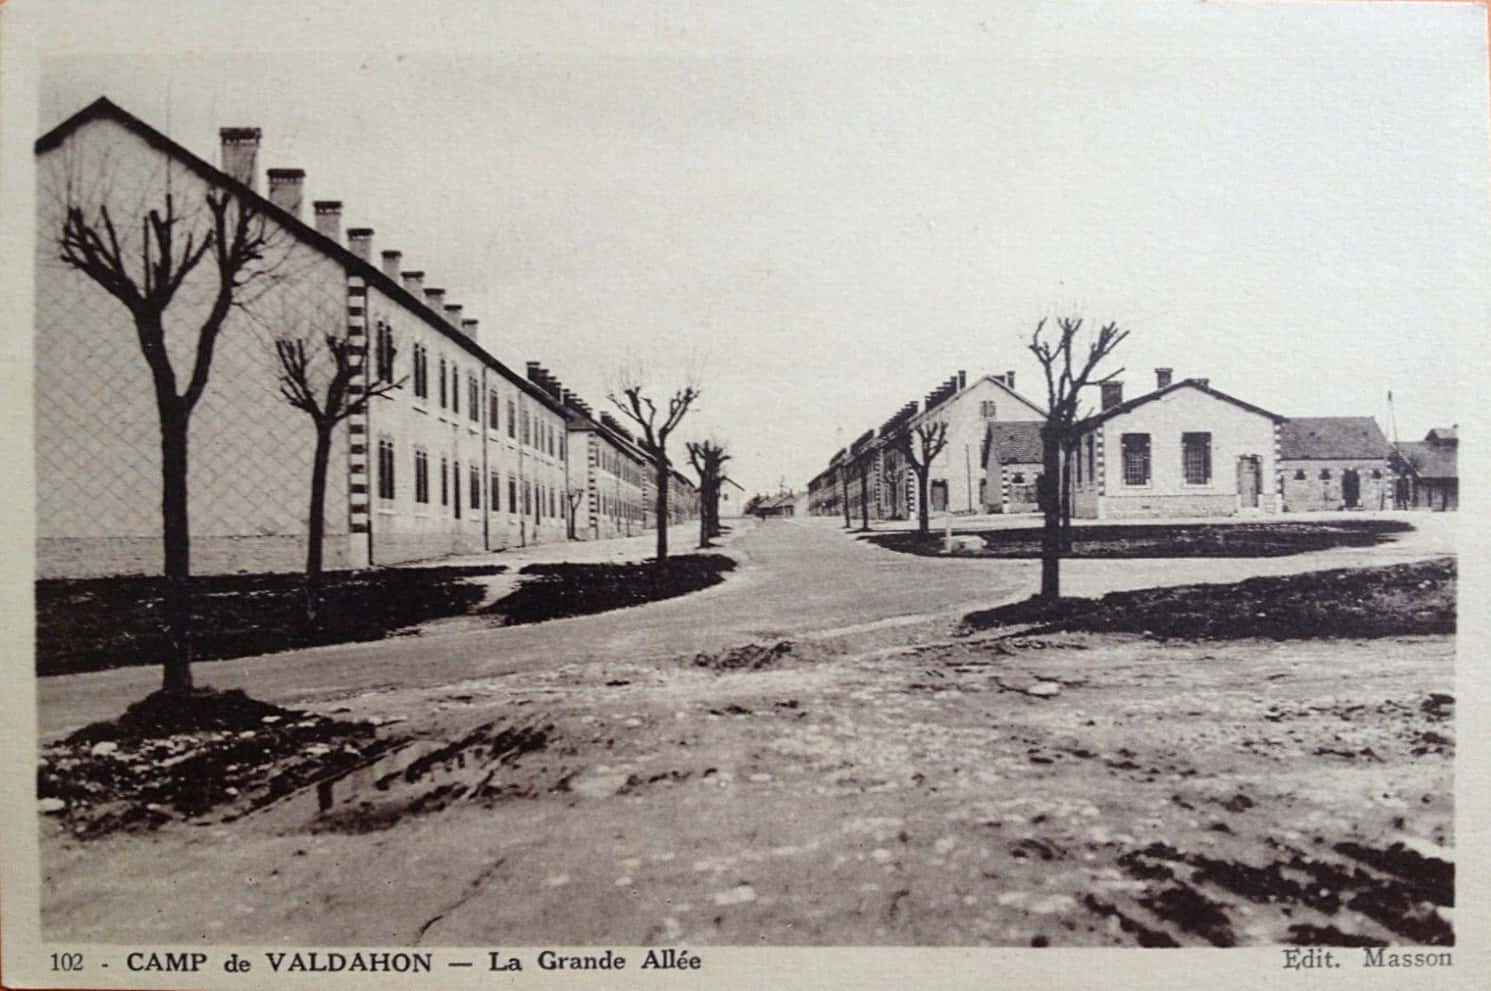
1334	462
781	505
732	498
1430	471
1011	456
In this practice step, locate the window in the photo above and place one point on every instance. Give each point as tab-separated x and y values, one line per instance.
1018	478
494	493
383	339
512	494
512	420
987	409
444	482
455	488
421	372
492	410
1325	474
385	468
1136	459
473	395
443	398
527	497
475	487
1195	456
455	388
1376	472
1299	475
1092	458
421	476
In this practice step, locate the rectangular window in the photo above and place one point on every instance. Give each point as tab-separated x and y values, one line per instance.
443	399
455	388
384	360
444	482
527	497
527	430
473	396
512	420
421	476
494	493
455	488
512	494
1195	451
1136	459
475	487
385	468
492	410
421	372
987	409
1092	460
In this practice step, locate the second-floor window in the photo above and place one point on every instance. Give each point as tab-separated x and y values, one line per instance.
383	342
493	407
443	399
512	420
1136	459
987	409
455	388
473	398
421	372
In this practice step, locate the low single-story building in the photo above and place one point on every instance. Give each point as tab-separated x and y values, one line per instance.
1430	471
1012	466
1334	462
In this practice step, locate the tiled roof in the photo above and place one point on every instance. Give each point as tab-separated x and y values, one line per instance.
1430	460
1082	426
1331	437
1016	442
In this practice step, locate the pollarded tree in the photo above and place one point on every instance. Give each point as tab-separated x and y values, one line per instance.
708	458
322	382
656	425
573	496
921	445
1067	372
143	258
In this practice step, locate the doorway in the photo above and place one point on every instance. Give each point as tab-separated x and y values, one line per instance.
1249	478
1351	488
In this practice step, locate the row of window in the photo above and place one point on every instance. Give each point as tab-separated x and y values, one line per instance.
536	432
538	499
1195	458
1325	474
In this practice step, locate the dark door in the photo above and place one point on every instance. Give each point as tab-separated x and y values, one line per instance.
1351	488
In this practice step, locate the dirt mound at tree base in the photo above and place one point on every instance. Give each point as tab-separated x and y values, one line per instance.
163	760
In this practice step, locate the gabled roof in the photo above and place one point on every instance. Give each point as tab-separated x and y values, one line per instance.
1092	421
997	380
1430	460
1012	442
727	480
1331	437
1444	435
105	109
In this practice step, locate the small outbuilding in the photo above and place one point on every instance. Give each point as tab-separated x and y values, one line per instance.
1334	462
1429	471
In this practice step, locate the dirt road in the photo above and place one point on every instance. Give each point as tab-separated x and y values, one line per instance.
875	780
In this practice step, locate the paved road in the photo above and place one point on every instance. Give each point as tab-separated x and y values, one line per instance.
796	578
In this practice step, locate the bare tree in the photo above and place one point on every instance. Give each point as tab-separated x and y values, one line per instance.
145	273
573	496
1067	373
656	426
863	464
328	396
708	458
921	445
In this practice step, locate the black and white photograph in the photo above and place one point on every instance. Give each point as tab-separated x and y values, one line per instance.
782	496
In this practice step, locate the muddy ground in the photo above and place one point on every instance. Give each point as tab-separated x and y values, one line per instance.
887	786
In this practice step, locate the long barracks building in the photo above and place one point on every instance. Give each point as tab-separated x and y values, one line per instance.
465	456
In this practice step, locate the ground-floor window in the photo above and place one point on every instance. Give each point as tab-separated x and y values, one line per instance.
385	468
455	488
1196	457
475	487
494	493
1136	459
421	476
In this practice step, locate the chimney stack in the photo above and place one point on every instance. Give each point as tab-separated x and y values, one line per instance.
962	379
240	153
1204	383
1009	379
453	314
286	189
360	241
414	282
391	260
533	371
468	327
329	218
435	300
1162	377
1112	394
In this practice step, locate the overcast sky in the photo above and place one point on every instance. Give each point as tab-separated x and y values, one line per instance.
829	213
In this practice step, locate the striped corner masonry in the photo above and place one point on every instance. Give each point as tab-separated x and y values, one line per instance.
357	424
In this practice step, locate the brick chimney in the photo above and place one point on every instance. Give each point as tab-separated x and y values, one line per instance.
453	314
468	327
240	153
1112	394
329	218
360	241
286	189
1162	377
391	260
414	282
962	379
435	300
1009	378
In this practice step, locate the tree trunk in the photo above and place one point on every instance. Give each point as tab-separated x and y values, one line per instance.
661	466
848	521
1066	501
864	500
316	531
923	498
176	538
1051	509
